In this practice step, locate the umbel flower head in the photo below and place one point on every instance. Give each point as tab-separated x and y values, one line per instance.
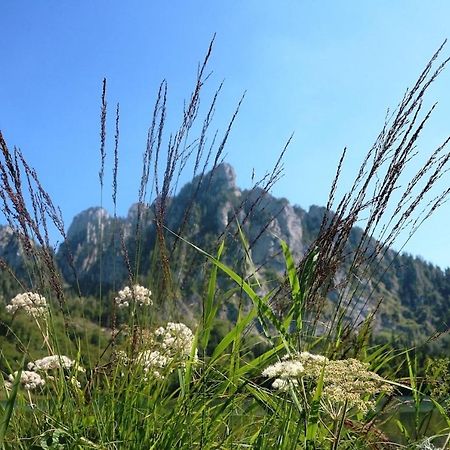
426	444
54	362
154	363
346	380
289	370
175	340
28	379
33	304
165	349
285	369
137	293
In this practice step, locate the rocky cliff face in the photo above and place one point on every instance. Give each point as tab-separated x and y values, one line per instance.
13	265
10	249
209	206
416	295
90	252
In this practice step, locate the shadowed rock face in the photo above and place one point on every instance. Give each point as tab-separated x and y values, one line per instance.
92	243
210	206
87	226
223	176
10	249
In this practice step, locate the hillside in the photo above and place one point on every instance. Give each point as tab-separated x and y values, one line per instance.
415	294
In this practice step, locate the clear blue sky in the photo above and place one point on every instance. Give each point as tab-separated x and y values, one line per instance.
325	70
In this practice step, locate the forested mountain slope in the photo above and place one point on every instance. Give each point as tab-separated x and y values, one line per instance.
415	294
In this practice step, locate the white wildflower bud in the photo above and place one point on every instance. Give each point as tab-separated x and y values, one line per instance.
28	379
139	294
176	339
345	381
153	362
54	362
283	384
31	303
285	369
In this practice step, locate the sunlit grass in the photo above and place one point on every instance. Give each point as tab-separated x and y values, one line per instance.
292	370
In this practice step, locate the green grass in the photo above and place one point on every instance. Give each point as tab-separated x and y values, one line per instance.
291	371
218	400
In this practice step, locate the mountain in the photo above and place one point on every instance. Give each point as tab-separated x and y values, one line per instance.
10	249
213	211
12	260
99	247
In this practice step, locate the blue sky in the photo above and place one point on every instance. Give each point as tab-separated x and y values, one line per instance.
326	71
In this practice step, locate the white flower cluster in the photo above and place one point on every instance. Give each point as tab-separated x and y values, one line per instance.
120	358
28	379
165	349
153	362
347	380
426	445
287	371
175	339
33	304
137	293
31	379
54	362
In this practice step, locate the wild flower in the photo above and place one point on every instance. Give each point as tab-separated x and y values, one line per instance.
175	340
426	445
313	363
28	379
33	304
285	369
54	362
137	293
120	361
346	381
120	357
351	381
311	357
165	349
154	363
284	384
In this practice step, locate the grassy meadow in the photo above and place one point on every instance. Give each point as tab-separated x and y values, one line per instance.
128	369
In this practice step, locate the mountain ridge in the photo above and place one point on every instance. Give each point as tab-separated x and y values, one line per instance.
416	294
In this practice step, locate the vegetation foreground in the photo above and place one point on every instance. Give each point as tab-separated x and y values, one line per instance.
296	368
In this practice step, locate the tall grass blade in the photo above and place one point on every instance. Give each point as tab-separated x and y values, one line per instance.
8	410
313	415
210	309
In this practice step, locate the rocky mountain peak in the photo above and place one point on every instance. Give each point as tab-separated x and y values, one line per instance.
137	209
89	218
6	232
224	174
212	205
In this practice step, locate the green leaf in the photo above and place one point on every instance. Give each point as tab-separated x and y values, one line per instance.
290	269
260	361
233	334
9	408
210	309
313	416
